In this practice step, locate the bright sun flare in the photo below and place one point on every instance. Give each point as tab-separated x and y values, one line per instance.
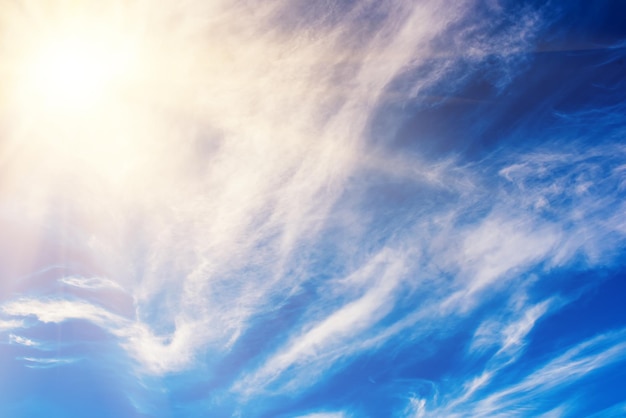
74	72
71	72
70	96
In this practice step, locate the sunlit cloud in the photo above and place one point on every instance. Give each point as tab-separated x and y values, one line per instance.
251	186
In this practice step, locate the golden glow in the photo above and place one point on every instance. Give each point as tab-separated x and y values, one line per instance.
69	96
72	73
77	70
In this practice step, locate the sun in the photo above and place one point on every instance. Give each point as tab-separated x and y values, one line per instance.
71	96
91	89
71	72
76	71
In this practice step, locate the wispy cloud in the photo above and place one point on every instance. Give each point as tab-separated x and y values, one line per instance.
337	333
91	283
157	354
503	244
59	310
416	408
16	339
325	415
272	124
10	325
508	336
47	363
529	394
564	370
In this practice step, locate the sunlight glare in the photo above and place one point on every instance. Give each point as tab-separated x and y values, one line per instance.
74	72
71	98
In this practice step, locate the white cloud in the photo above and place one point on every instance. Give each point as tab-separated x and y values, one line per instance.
46	363
509	336
336	334
10	325
16	339
92	283
222	169
527	395
449	269
495	250
156	354
506	338
59	310
491	255
416	408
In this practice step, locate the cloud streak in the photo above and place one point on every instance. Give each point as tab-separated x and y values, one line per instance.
90	283
16	339
47	363
562	371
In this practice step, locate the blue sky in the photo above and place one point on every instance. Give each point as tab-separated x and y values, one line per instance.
312	209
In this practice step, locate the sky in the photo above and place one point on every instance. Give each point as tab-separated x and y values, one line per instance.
315	209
